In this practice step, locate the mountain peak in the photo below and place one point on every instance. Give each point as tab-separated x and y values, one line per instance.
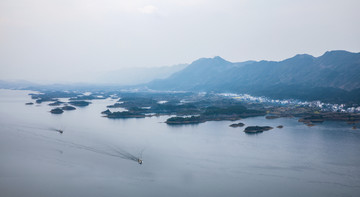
215	61
304	56
337	52
330	57
301	56
218	58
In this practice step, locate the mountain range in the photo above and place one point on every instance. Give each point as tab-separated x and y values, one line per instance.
332	77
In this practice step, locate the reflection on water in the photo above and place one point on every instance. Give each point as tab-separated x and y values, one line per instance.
94	155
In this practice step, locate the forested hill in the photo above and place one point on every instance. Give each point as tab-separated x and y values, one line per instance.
332	77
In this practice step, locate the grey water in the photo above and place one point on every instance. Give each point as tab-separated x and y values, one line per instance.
208	159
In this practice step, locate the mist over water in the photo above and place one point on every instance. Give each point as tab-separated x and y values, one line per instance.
94	156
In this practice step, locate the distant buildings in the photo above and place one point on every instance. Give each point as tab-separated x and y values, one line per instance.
293	102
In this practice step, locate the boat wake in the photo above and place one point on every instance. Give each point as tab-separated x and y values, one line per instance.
113	151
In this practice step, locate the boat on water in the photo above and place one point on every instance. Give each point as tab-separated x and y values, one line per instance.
59	130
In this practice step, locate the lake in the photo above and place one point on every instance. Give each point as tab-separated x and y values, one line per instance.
208	159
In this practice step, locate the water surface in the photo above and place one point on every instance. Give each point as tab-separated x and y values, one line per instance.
209	159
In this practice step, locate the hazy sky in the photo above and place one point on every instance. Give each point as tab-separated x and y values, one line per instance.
52	40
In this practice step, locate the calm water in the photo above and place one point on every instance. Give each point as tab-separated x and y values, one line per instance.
209	159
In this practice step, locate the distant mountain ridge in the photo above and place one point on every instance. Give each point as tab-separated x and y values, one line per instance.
139	75
335	74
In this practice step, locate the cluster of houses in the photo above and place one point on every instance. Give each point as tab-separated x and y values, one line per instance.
293	102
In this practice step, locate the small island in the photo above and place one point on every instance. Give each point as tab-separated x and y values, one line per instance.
68	108
116	105
79	103
40	100
184	120
312	119
57	111
240	124
256	129
106	112
56	103
125	114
